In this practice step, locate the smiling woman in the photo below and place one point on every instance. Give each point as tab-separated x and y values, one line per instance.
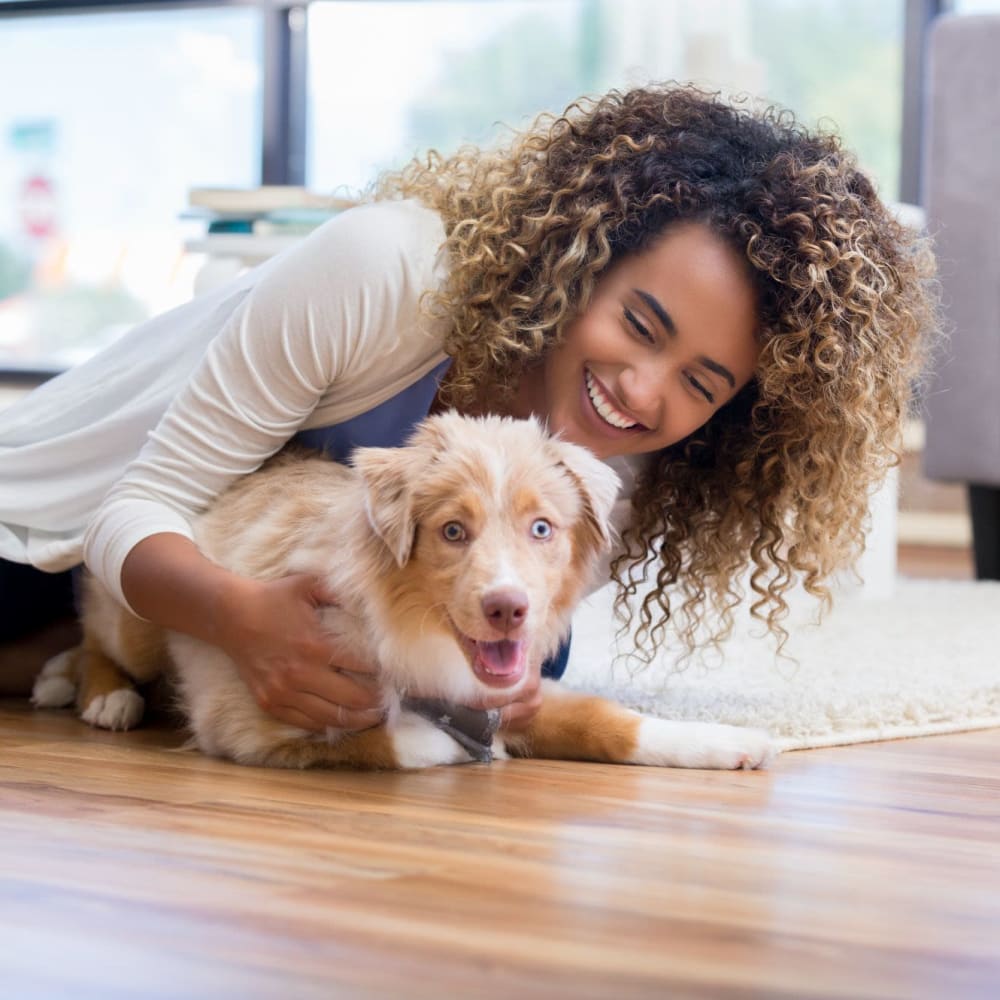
711	286
668	338
703	293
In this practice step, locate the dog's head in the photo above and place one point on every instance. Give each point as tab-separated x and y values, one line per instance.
489	530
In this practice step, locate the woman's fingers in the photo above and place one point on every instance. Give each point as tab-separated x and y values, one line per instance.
515	714
296	670
327	696
529	692
344	688
321	595
316	699
344	660
315	714
518	715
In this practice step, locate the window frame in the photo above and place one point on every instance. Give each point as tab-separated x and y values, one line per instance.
284	96
283	91
918	17
285	75
283	145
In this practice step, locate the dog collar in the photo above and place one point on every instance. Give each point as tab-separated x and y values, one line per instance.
473	728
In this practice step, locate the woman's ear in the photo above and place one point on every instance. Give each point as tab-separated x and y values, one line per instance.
387	475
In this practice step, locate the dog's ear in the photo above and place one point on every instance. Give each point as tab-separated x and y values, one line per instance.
387	474
598	485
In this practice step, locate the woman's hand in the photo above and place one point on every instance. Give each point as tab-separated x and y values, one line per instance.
294	669
516	715
271	630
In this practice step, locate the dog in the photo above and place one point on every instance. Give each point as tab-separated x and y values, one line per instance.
458	560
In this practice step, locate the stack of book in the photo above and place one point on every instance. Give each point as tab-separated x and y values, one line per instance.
272	210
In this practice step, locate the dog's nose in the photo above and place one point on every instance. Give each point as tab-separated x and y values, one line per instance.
506	608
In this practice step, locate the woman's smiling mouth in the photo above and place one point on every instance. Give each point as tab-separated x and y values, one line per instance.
605	409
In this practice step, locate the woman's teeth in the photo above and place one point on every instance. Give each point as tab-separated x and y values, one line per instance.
604	408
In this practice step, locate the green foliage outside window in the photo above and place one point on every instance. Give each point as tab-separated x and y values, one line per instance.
840	64
836	65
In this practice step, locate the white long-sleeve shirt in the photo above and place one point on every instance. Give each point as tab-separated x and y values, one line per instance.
145	435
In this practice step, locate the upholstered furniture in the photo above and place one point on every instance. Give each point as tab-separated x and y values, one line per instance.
962	198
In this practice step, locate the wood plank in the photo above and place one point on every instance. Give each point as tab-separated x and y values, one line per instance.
936	562
131	869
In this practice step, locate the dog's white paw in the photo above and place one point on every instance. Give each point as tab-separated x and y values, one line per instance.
701	744
122	709
53	687
417	742
740	748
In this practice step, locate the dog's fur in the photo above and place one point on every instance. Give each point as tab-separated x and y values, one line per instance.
447	618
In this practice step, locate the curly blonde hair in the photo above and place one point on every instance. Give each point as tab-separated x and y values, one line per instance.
779	479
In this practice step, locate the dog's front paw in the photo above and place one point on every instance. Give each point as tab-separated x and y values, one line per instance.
703	745
121	709
737	748
54	687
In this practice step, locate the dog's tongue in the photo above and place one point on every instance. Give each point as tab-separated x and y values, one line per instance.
501	658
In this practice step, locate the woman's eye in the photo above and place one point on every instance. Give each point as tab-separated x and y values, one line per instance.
637	325
698	387
541	529
453	532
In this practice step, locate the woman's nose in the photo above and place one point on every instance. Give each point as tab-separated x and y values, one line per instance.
644	392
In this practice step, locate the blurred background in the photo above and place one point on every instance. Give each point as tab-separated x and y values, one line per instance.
110	113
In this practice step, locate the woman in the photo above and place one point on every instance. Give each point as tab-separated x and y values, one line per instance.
708	296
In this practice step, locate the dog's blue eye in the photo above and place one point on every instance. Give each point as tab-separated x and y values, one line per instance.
541	529
453	532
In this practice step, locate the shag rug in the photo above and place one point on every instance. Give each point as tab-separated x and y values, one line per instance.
922	662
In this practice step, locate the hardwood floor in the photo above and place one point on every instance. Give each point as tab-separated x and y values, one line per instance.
132	870
936	561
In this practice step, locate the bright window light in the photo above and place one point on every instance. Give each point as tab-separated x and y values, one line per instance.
106	121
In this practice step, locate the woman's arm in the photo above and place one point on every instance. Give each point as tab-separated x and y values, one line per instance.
345	300
270	630
335	317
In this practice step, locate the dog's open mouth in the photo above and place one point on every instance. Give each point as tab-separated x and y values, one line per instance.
496	662
499	662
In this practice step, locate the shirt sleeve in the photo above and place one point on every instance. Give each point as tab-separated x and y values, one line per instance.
317	316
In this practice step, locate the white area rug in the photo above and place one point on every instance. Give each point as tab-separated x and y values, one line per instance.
925	661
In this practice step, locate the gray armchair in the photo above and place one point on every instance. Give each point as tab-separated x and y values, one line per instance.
962	198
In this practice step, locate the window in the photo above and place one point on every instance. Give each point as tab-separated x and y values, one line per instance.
975	6
391	79
433	74
106	121
107	118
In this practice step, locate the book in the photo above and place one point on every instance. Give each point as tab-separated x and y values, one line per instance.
290	221
259	201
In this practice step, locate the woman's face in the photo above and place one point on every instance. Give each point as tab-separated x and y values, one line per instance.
668	338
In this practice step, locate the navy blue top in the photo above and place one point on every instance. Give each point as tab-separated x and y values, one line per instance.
388	425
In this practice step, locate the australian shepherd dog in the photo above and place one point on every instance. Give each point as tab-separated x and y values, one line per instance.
457	560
